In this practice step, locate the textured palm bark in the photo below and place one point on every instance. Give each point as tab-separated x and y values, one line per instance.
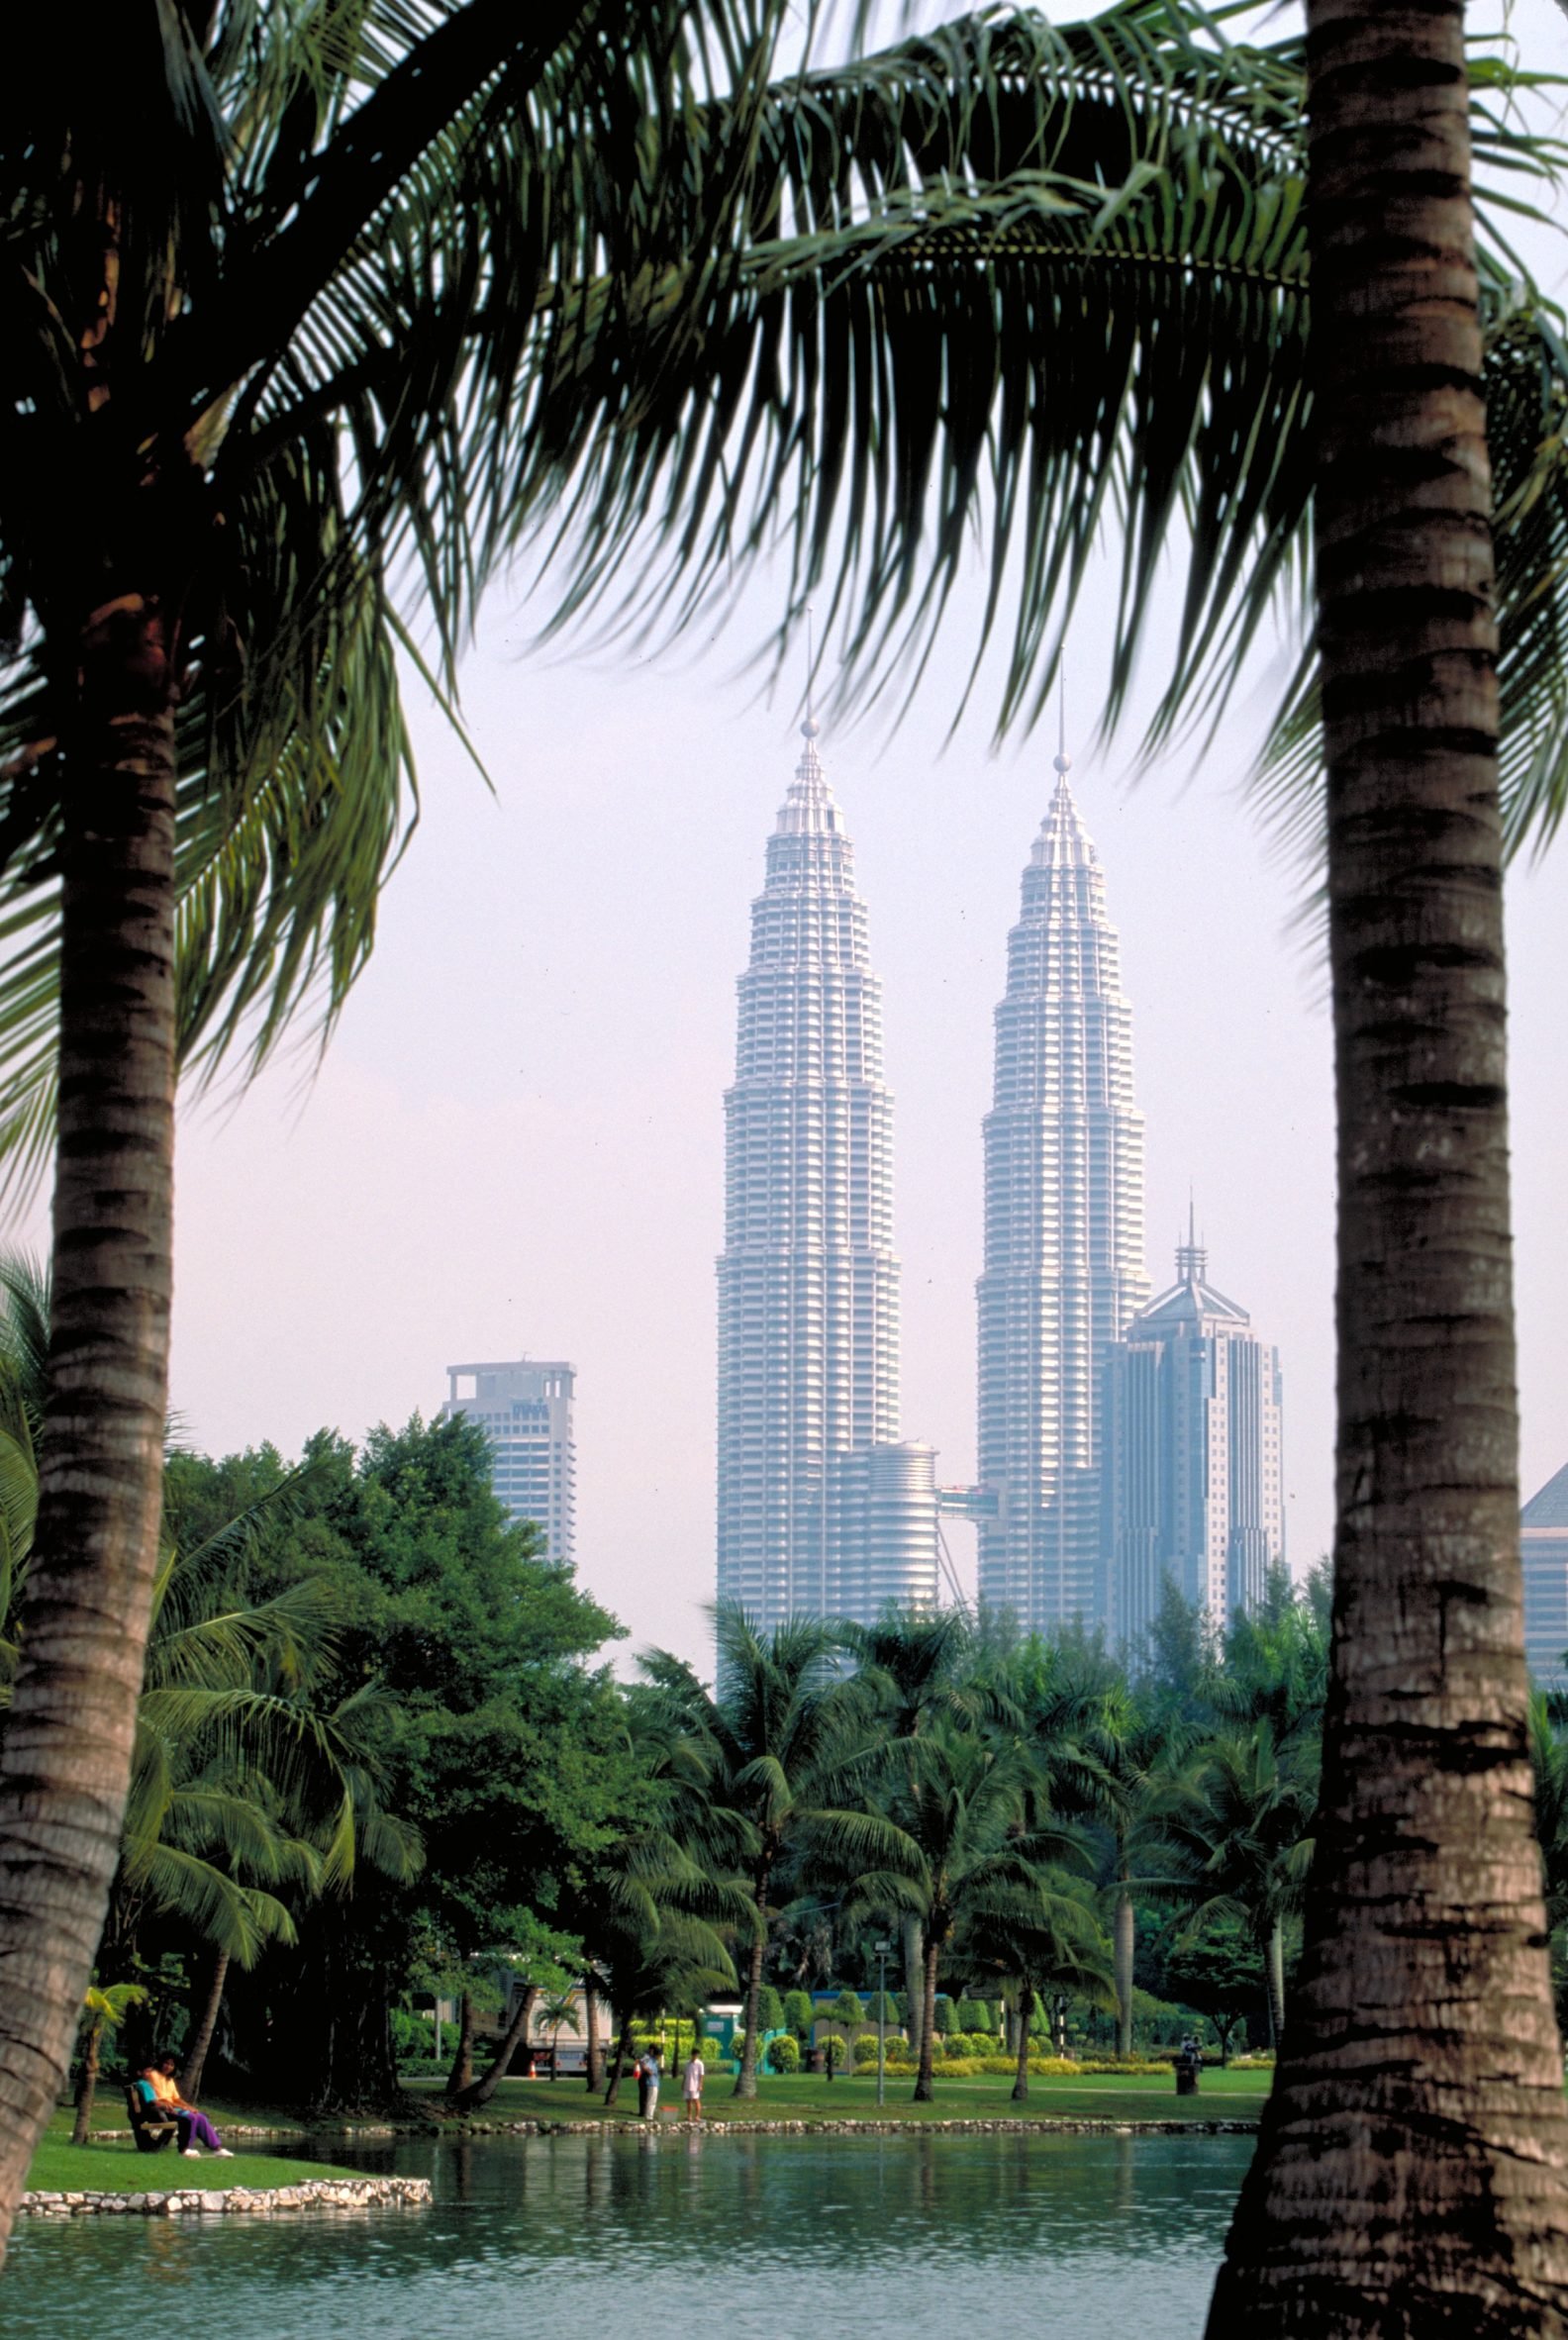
1410	2174
618	2064
747	2078
1274	1968
201	2045
1021	2077
460	2075
1123	1948
913	1980
925	2078
480	2092
87	2082
593	2058
66	1759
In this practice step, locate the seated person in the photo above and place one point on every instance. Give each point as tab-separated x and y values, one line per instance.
195	2129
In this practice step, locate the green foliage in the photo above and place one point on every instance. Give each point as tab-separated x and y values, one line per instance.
798	2013
770	2008
942	2014
1218	1969
974	2014
783	2053
847	2009
883	2006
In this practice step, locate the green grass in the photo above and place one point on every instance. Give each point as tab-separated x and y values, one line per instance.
59	2166
1226	2095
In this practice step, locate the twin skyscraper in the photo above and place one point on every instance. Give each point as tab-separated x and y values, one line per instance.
1122	1445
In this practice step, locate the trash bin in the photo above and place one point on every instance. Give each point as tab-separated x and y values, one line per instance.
1185	2077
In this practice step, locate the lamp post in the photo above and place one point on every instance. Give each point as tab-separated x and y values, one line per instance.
883	1950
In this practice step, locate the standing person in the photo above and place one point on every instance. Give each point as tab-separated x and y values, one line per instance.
641	2080
195	2129
692	2085
654	2073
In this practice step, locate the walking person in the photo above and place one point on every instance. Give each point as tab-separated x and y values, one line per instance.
654	2073
692	2085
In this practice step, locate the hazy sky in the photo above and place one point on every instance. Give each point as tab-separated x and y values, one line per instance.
515	1145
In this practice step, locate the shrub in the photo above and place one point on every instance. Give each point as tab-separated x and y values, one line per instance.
833	2045
848	2010
783	2053
799	2013
883	2004
946	2021
975	2016
770	2008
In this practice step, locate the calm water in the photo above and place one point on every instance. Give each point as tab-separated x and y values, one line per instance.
569	2239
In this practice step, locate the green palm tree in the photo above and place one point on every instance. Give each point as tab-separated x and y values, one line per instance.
1036	1936
970	1814
1135	1761
337	300
557	2015
1239	1829
102	2010
778	1747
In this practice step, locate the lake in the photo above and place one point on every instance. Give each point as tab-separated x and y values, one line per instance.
1073	2238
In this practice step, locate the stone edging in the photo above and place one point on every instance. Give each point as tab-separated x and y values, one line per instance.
313	2194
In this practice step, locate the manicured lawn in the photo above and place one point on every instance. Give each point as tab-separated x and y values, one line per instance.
60	2167
1226	2095
109	2112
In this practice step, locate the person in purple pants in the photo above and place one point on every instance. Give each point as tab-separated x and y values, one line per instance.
195	2129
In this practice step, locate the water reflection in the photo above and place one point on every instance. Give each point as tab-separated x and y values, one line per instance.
1035	2235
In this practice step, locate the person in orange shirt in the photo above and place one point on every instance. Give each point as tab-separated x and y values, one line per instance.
195	2129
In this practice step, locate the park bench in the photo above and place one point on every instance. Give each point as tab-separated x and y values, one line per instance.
151	2125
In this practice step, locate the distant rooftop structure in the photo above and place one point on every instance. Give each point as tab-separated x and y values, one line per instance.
525	1408
1543	1546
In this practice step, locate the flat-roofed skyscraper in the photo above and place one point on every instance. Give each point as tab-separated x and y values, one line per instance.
1063	1233
526	1410
808	1280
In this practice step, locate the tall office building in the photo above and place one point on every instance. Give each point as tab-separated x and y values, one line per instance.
526	1411
1063	1233
1543	1541
1193	1488
816	1515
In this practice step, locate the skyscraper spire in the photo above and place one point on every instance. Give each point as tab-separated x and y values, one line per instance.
1064	1230
820	1511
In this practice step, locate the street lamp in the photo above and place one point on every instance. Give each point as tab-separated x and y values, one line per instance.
883	1953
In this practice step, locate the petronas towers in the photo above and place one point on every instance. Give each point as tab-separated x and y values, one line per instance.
823	1509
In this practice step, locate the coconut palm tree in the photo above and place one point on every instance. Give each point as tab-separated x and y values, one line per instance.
102	2010
778	1745
1238	1829
1410	2170
557	2015
973	1822
286	307
1036	1936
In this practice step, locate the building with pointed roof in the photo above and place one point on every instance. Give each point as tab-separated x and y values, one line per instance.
1543	1543
1193	1430
821	1510
1063	1268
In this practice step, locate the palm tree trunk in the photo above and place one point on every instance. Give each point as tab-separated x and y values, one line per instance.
595	2060
924	2081
623	2051
196	2055
1025	2010
480	2092
460	2075
1409	2174
87	2082
747	2078
1122	1952
913	1981
1274	1966
67	1758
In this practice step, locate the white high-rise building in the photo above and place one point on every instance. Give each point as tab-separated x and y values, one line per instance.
1064	1234
1194	1490
816	1517
526	1411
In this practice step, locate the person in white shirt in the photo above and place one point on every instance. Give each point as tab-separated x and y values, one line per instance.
692	2085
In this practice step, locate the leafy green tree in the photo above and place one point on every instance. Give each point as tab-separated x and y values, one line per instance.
1239	1827
847	2009
1216	1969
102	2010
1040	1933
557	2015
